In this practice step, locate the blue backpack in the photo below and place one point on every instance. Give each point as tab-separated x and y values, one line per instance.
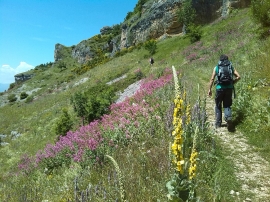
225	72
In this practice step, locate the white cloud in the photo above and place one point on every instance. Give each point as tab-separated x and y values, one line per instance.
7	72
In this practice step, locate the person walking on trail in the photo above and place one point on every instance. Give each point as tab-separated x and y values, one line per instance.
226	76
151	61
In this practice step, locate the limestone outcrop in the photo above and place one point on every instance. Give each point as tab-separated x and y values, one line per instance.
157	18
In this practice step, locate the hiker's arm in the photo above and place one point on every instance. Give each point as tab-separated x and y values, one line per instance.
211	82
237	77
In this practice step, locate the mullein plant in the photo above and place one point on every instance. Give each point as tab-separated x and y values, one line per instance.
184	164
120	178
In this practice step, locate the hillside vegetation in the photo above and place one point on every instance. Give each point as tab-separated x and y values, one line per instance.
125	154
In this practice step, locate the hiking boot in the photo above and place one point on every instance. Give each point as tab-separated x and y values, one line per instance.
230	126
217	125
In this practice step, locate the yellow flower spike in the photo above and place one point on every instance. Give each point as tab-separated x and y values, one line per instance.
184	94
179	111
192	167
188	114
174	147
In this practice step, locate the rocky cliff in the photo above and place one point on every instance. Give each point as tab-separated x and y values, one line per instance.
157	18
22	77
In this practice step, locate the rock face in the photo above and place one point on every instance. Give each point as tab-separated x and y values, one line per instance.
22	77
82	52
157	18
57	52
105	30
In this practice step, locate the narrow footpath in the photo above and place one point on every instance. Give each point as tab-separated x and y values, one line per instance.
251	170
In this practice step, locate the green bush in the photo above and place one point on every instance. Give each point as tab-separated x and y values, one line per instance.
62	66
12	85
29	99
138	74
194	33
187	14
128	16
260	10
94	103
12	98
151	46
23	95
64	123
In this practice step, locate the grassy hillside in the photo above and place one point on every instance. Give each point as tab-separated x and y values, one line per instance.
141	146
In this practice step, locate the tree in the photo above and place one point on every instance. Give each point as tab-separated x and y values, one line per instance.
79	102
64	123
194	33
93	104
260	10
187	14
151	46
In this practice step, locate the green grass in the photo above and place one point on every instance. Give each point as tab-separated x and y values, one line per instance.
144	162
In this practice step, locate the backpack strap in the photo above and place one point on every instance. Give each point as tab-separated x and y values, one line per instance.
216	70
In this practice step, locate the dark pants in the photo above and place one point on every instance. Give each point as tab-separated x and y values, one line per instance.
223	97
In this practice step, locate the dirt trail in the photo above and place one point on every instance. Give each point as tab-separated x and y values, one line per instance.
252	171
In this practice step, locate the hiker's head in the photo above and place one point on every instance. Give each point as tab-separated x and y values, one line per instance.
223	57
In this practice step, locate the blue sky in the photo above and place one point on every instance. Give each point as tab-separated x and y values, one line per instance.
29	29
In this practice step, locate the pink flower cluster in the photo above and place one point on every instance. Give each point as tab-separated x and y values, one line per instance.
90	137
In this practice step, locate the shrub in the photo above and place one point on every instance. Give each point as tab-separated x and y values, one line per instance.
194	33
23	95
92	104
79	103
138	74
128	16
151	46
139	6
260	12
121	52
187	14
12	98
29	99
64	123
116	30
62	66
12	85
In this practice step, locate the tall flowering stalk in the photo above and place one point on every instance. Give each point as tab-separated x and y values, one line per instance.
180	188
178	130
120	178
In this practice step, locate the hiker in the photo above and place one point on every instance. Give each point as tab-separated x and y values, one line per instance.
151	61
224	73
